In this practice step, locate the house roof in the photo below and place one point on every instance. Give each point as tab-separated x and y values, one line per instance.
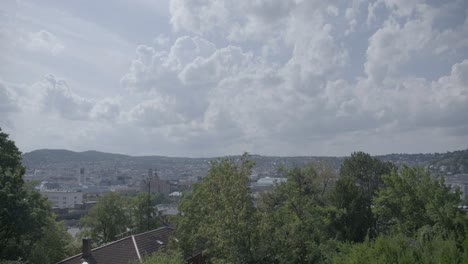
126	250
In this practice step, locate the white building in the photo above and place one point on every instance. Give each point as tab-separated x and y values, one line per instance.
63	199
267	181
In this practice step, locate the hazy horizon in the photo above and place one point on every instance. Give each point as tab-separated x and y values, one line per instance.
234	154
208	78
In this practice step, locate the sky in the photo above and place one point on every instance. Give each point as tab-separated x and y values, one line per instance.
202	78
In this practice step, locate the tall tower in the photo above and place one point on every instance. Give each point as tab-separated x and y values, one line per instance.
82	176
152	182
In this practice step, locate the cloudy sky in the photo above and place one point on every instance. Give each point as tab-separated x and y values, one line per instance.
215	77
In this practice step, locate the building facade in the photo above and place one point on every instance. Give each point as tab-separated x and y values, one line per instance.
63	199
154	184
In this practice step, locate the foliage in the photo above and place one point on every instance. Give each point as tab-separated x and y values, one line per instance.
395	217
23	211
171	257
296	219
366	171
143	213
115	215
55	245
398	248
418	222
10	156
218	217
351	224
413	199
107	219
361	178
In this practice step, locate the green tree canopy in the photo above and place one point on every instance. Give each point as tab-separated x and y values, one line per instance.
10	156
296	218
23	213
107	219
218	217
55	245
360	179
366	171
398	248
26	219
144	215
413	199
170	257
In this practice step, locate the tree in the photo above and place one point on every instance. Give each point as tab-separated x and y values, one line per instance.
218	218
398	248
26	219
55	245
144	216
352	224
295	219
412	199
107	219
366	171
418	222
23	211
10	156
171	257
360	179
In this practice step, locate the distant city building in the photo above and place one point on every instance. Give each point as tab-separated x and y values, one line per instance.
267	181
45	185
462	187
175	197
63	199
166	209
175	194
458	182
265	184
82	177
464	191
154	184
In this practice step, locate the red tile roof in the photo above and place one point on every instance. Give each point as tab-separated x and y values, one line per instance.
126	250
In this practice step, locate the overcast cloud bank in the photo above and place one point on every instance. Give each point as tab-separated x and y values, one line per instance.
223	77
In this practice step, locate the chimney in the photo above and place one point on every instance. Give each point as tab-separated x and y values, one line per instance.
86	251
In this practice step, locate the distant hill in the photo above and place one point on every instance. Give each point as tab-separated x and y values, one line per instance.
455	162
63	155
438	163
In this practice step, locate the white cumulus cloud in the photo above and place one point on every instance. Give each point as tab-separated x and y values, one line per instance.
44	41
57	97
213	77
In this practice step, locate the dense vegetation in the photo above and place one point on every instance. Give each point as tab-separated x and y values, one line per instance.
115	216
28	230
373	213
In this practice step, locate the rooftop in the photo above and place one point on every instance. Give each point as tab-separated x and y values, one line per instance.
126	250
